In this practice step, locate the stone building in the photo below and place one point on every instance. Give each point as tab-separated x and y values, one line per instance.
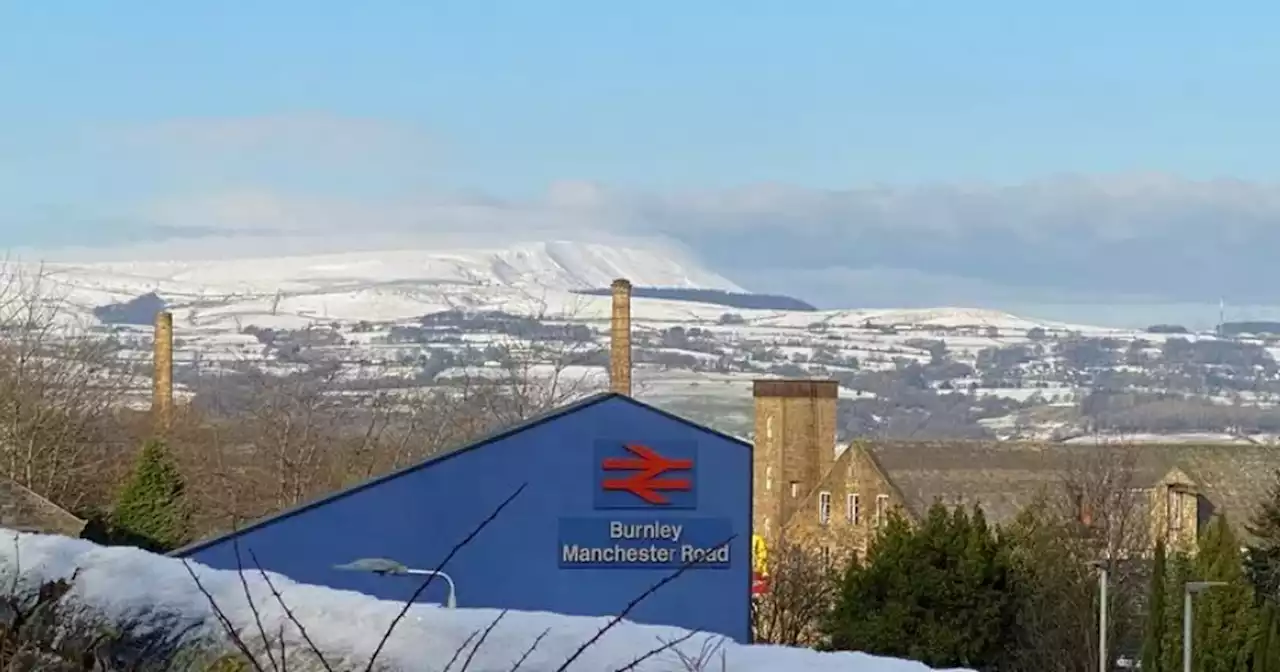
814	492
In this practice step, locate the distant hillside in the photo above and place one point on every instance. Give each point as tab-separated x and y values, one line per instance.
716	297
139	311
1260	327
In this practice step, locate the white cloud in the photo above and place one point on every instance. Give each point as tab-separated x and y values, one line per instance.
280	213
1068	239
335	182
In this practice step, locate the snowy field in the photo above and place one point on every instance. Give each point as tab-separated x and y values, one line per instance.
124	585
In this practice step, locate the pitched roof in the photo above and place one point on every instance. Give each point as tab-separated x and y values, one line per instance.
1005	477
450	452
22	509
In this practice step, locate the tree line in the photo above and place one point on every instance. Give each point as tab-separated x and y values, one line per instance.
75	429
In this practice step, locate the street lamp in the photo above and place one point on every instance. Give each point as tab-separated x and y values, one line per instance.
388	567
1191	588
1102	566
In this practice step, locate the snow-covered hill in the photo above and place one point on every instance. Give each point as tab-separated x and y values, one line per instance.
562	266
367	313
395	285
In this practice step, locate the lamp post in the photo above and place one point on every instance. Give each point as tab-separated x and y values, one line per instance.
1191	588
388	567
1102	567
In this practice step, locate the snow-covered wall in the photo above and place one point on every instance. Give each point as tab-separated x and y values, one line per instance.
125	585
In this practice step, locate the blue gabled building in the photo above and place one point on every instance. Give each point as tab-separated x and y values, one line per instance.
617	495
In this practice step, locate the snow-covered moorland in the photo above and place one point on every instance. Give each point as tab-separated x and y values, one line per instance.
128	588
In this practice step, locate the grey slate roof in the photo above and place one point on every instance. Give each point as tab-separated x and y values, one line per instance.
1005	477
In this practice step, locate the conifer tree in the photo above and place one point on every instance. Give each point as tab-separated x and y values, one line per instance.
1178	569
1224	616
1154	637
1263	553
941	592
151	510
1266	646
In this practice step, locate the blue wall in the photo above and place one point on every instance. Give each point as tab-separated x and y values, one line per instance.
518	561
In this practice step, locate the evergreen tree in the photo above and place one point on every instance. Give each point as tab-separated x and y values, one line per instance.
1154	636
1057	591
1266	646
151	510
1178	569
941	593
1262	558
1224	616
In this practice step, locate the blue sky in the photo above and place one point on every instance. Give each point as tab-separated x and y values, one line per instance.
126	119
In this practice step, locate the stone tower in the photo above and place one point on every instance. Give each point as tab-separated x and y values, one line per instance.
795	446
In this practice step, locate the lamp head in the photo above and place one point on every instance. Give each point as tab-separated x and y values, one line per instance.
373	565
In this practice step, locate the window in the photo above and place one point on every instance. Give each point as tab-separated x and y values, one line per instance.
852	509
795	488
768	479
826	555
882	509
824	507
1175	510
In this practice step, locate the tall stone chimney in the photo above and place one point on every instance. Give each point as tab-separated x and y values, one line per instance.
795	447
162	377
620	338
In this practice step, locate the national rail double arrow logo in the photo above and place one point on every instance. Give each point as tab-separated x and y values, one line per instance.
646	483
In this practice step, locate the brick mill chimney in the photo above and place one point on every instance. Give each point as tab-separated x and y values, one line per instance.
795	447
620	338
162	376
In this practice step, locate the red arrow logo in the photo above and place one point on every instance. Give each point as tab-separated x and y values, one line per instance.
648	465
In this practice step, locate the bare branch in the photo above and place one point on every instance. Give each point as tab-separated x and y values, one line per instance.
422	588
632	605
529	651
664	647
253	608
227	626
466	665
302	630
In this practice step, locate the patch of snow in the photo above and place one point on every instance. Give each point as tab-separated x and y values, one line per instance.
127	585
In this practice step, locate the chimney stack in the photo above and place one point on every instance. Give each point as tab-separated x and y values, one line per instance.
162	377
620	338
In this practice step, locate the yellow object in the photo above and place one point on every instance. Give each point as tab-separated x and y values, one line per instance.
759	555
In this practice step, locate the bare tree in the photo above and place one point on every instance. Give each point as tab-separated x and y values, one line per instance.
1097	515
61	389
256	441
531	370
260	442
1101	490
802	588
